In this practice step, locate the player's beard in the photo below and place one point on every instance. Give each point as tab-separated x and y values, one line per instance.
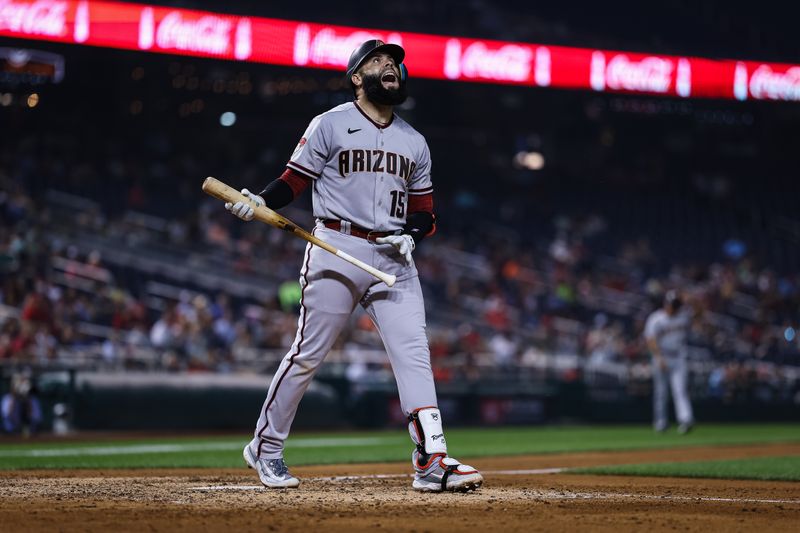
378	94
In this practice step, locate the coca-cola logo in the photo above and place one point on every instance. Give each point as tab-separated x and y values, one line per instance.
768	84
326	47
208	34
507	63
44	17
652	74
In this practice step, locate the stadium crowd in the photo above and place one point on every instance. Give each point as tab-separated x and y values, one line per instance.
502	305
111	256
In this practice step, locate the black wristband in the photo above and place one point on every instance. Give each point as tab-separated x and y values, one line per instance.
277	194
418	225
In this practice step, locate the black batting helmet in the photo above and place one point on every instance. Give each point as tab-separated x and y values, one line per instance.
673	298
376	45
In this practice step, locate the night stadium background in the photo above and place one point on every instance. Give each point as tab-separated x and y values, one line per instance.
586	158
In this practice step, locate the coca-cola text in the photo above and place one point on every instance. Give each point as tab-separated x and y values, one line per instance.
477	61
43	17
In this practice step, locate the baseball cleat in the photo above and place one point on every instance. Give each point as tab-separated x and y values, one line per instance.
273	472
441	473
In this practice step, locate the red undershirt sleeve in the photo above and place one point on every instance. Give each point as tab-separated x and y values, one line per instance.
296	181
421	222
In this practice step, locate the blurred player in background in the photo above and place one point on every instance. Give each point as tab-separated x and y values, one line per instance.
666	334
20	409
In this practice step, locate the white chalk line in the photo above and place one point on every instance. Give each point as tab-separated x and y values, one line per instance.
182	448
548	495
230	487
655	497
537	471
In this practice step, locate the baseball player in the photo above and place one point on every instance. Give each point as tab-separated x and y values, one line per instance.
665	332
370	175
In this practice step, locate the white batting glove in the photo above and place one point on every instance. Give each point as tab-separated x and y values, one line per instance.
244	210
404	244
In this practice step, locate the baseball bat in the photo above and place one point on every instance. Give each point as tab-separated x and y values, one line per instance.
220	190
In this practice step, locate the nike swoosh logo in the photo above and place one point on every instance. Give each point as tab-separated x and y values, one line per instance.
353	131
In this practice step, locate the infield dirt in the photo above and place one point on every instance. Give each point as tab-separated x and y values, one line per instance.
215	500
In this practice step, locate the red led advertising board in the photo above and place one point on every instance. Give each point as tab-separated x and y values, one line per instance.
282	42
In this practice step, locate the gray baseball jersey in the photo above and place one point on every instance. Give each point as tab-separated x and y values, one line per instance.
363	173
669	332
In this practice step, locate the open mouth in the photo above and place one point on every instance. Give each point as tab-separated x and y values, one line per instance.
389	77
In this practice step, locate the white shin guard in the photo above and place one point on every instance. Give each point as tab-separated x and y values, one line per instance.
425	427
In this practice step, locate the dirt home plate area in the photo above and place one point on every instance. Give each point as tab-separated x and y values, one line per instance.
524	493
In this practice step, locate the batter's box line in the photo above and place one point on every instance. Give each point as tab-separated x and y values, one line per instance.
655	497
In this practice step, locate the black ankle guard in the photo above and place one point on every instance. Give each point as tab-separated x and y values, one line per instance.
414	419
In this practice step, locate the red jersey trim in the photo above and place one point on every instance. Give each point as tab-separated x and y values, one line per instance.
376	124
300	168
417	192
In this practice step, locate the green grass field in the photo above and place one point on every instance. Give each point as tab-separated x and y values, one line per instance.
377	446
763	468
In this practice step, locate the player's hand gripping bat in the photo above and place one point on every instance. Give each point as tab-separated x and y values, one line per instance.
217	189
